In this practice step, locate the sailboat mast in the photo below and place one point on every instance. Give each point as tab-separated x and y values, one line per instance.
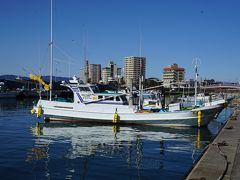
51	55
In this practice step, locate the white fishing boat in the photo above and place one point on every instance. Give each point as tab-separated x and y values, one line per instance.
211	105
86	104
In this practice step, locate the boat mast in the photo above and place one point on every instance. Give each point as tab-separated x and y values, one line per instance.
51	55
141	70
197	62
86	72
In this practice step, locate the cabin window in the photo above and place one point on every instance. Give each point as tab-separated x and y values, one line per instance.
66	95
84	89
95	89
118	98
109	98
152	103
123	98
100	97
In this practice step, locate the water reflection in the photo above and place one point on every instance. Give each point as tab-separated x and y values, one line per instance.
79	151
87	139
140	147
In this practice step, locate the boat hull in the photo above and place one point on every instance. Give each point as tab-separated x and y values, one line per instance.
71	112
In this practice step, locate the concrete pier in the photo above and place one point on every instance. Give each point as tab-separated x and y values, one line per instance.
221	160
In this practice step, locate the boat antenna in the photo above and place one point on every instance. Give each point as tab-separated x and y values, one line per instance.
141	69
85	59
40	71
197	63
51	54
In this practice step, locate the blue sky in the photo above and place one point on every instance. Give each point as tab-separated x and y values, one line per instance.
172	31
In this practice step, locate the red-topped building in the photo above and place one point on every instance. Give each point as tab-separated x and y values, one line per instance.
173	73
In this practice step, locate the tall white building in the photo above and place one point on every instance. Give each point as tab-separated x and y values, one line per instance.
106	73
134	69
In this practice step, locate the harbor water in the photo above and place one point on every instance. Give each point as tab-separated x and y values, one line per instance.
90	151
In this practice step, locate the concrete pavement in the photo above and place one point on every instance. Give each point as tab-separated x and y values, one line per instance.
221	160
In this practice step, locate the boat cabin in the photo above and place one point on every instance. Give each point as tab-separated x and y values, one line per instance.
89	93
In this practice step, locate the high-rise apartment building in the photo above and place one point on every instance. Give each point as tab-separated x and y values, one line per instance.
110	73
172	74
84	74
113	69
134	69
106	73
119	73
94	73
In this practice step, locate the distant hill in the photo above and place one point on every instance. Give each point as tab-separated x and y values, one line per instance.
12	77
45	78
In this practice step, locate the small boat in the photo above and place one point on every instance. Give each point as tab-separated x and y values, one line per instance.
6	94
202	100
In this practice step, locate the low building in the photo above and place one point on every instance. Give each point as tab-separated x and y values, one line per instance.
173	74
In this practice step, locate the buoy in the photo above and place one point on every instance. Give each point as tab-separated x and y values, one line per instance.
39	111
116	117
199	118
33	111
